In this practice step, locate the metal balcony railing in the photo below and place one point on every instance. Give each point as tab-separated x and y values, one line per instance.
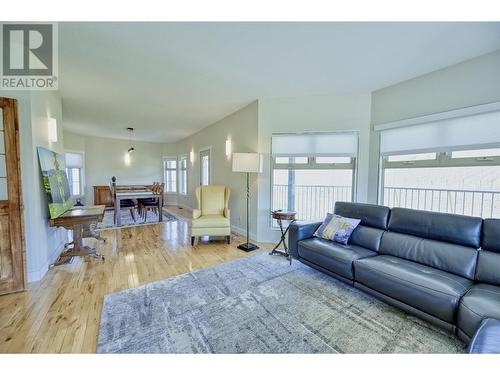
482	203
313	202
310	202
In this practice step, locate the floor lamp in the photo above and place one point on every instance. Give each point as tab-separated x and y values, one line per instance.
247	163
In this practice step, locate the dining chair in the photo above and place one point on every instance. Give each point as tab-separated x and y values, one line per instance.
140	206
151	204
125	204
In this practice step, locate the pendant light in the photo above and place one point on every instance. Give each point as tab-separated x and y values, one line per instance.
127	157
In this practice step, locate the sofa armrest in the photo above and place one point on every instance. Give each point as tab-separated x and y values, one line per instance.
486	340
227	212
300	231
196	213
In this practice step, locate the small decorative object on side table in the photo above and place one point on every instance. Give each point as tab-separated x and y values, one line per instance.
281	215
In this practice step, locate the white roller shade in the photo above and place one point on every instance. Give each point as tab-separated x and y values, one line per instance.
74	160
478	131
315	144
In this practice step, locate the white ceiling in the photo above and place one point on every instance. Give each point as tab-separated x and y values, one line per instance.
169	80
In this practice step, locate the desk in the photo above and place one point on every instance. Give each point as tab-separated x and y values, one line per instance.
76	219
136	194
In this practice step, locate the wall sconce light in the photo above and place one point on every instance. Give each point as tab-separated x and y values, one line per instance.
228	148
52	129
191	156
127	159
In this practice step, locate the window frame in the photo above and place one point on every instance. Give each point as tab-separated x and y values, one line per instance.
82	172
312	165
69	175
166	159
201	151
180	169
443	159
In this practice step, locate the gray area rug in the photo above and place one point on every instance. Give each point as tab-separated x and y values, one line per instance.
127	221
261	304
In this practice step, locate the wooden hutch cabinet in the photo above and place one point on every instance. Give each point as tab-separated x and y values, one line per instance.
102	194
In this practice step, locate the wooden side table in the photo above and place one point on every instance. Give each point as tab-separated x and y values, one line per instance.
280	215
77	219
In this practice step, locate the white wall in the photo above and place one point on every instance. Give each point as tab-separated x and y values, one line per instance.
472	82
241	128
310	114
104	158
43	243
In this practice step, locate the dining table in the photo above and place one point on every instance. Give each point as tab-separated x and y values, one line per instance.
136	194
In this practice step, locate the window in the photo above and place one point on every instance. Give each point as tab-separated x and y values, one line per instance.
74	179
413	157
291	160
311	184
205	167
332	159
170	175
183	175
461	176
485	153
74	172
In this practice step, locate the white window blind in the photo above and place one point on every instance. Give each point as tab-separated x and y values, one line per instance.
315	144
74	160
477	131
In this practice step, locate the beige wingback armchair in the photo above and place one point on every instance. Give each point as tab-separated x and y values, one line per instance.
211	218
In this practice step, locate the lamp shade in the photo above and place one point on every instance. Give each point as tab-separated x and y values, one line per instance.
247	162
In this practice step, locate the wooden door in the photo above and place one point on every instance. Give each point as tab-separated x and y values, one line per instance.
12	267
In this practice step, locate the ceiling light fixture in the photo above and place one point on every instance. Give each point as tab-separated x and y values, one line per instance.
130	132
127	158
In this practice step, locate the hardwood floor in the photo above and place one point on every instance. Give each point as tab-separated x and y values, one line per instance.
61	313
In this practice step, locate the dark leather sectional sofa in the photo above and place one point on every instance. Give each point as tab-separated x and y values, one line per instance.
441	267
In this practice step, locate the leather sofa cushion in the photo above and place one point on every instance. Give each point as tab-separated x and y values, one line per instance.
211	221
424	288
444	256
334	257
491	235
488	268
481	301
367	237
458	229
486	340
371	215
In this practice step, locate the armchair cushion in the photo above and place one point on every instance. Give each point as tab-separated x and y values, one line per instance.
211	221
196	213
212	199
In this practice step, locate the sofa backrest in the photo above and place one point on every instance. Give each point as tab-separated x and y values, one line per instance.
488	264
373	222
444	241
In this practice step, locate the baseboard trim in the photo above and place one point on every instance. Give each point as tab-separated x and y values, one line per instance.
37	275
185	207
243	232
170	204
